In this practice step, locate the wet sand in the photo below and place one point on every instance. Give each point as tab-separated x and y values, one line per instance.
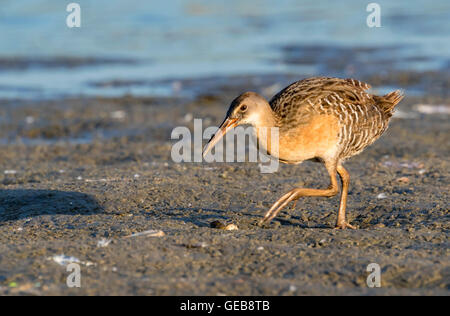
77	172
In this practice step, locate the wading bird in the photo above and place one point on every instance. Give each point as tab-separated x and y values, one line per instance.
322	119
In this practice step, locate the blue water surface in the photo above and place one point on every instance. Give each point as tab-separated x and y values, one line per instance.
176	39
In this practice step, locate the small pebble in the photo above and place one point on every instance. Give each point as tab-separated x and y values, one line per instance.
103	242
118	115
322	242
220	225
196	245
148	233
382	196
231	227
402	180
29	120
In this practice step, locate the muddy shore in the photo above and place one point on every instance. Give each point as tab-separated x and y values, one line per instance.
78	176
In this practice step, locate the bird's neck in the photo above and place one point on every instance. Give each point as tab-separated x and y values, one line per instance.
266	118
268	137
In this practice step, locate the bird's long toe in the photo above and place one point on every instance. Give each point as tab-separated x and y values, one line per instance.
344	225
279	205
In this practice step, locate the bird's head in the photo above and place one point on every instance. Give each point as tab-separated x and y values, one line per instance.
248	108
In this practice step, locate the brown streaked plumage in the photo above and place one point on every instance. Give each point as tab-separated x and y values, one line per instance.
321	119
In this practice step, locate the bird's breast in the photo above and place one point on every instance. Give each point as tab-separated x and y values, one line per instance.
318	137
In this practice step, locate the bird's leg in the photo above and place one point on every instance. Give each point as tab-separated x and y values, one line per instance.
345	180
295	194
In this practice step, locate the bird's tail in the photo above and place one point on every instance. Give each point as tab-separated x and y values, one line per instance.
390	100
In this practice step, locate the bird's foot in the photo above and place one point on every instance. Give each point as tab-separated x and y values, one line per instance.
263	222
294	205
344	225
279	205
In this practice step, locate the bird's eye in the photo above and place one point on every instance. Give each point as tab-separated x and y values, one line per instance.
243	108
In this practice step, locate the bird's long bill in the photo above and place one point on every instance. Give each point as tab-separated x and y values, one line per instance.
223	129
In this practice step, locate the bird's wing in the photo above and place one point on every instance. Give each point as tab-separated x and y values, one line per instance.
318	95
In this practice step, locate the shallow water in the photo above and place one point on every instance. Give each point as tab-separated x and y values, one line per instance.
140	43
